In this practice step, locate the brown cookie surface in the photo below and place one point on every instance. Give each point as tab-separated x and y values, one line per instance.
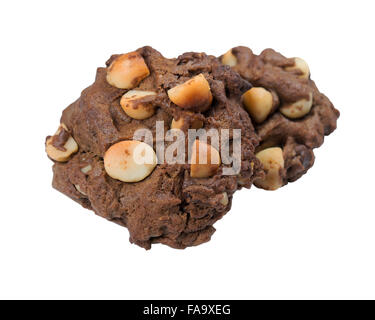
163	203
287	109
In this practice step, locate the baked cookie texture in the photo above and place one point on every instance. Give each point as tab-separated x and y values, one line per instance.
167	206
291	116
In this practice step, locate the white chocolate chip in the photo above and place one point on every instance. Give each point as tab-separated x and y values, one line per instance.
273	163
136	109
79	189
229	59
130	161
127	71
297	109
224	200
205	160
70	147
193	94
302	66
258	102
86	169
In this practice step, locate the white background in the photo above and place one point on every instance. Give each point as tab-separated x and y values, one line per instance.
312	239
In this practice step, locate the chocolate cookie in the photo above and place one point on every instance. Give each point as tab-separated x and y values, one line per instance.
291	116
96	146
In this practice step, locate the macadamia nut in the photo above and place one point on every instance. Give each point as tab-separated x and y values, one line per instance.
297	109
136	106
79	189
205	160
127	71
130	161
302	66
258	102
229	59
273	163
86	169
194	94
63	154
224	200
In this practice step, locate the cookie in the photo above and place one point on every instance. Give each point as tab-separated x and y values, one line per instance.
291	116
176	203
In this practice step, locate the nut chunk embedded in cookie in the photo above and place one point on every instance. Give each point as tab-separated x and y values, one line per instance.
127	71
194	94
130	161
273	163
205	160
229	59
62	145
301	67
138	104
258	102
297	109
